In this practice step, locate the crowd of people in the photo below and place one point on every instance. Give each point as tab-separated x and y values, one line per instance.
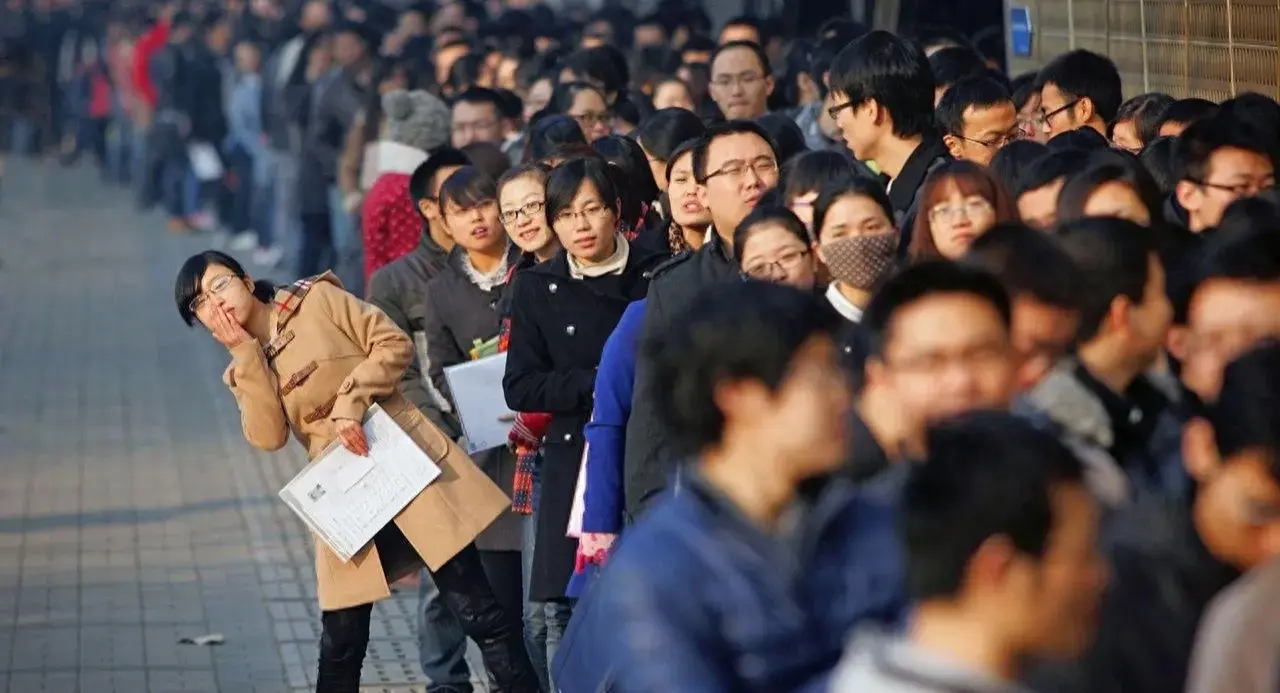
841	362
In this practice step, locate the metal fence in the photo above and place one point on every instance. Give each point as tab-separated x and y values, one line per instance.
1213	49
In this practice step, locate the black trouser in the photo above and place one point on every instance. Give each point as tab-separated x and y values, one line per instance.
465	590
506	577
317	253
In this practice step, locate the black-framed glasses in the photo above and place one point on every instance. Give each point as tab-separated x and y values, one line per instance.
835	110
999	141
735	170
1250	187
1045	116
528	209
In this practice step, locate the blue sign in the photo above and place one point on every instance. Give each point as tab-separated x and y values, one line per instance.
1020	31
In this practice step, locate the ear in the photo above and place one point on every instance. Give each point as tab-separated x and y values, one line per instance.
1188	195
954	145
1199	451
734	398
424	208
989	565
1085	109
1176	342
768	85
875	372
1118	315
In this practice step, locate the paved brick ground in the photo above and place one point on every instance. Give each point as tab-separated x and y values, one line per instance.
132	513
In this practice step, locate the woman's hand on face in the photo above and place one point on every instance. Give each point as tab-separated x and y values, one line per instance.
225	329
351	433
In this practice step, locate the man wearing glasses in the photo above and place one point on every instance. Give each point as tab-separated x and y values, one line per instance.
977	117
741	80
1222	161
734	165
1078	89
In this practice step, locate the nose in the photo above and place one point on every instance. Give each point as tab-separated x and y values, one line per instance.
751	178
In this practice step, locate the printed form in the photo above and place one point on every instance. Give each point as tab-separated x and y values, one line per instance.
346	498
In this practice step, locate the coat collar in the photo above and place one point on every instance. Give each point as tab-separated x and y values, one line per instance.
288	299
641	257
930	153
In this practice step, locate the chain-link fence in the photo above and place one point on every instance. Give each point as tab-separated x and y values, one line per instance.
1208	48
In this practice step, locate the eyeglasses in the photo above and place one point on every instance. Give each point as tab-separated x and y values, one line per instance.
482	205
474	126
736	169
592	210
1046	115
588	120
999	141
528	209
779	266
978	356
1249	187
746	80
217	286
952	213
835	110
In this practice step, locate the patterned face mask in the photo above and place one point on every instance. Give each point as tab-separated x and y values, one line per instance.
861	261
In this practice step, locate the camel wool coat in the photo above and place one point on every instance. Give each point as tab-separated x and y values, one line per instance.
331	357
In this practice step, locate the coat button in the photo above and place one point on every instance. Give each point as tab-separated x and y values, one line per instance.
568	437
848	350
552	287
570	330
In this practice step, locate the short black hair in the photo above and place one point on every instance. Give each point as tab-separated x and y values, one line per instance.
977	92
734	331
631	173
1049	168
1187	111
187	286
941	37
925	280
715	132
698	43
599	64
954	63
770	211
787	137
480	96
1247	414
1084	139
1158	158
761	56
468	187
1199	142
564	181
685	147
488	157
892	71
666	129
1144	110
1108	169
1084	74
810	171
420	181
1029	262
1012	161
744	20
987	474
1114	260
1023	87
1245	253
548	132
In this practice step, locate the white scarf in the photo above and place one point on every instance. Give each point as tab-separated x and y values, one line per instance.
614	264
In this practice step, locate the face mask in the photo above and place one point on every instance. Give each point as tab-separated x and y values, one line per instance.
860	261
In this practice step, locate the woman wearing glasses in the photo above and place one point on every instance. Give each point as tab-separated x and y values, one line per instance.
587	105
772	245
311	359
562	311
960	200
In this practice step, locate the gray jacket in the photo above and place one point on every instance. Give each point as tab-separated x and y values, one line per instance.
400	290
879	663
335	101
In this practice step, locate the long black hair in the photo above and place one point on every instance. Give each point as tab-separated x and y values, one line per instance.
187	285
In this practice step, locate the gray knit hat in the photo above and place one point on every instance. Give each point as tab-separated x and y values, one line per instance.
416	119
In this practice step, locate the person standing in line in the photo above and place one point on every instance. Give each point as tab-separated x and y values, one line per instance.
310	358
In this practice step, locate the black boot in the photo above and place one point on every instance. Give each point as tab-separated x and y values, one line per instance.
343	643
499	633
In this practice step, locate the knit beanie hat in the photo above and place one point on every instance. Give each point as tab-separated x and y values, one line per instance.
416	119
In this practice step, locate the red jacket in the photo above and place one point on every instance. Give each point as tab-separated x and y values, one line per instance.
148	45
390	224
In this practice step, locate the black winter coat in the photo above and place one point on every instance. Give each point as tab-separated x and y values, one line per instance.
649	458
558	329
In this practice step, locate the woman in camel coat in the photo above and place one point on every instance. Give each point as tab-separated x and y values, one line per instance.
311	359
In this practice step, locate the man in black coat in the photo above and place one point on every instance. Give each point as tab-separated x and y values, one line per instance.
736	163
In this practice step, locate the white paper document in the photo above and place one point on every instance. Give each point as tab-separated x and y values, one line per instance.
205	162
346	498
477	392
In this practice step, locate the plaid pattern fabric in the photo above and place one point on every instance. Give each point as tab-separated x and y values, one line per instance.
525	437
290	297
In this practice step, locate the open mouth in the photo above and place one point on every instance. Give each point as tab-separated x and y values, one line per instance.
480	232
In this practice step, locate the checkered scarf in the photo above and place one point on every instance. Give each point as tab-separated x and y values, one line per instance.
525	437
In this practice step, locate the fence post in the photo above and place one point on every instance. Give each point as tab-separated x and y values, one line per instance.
1071	24
1142	31
1186	48
1231	49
